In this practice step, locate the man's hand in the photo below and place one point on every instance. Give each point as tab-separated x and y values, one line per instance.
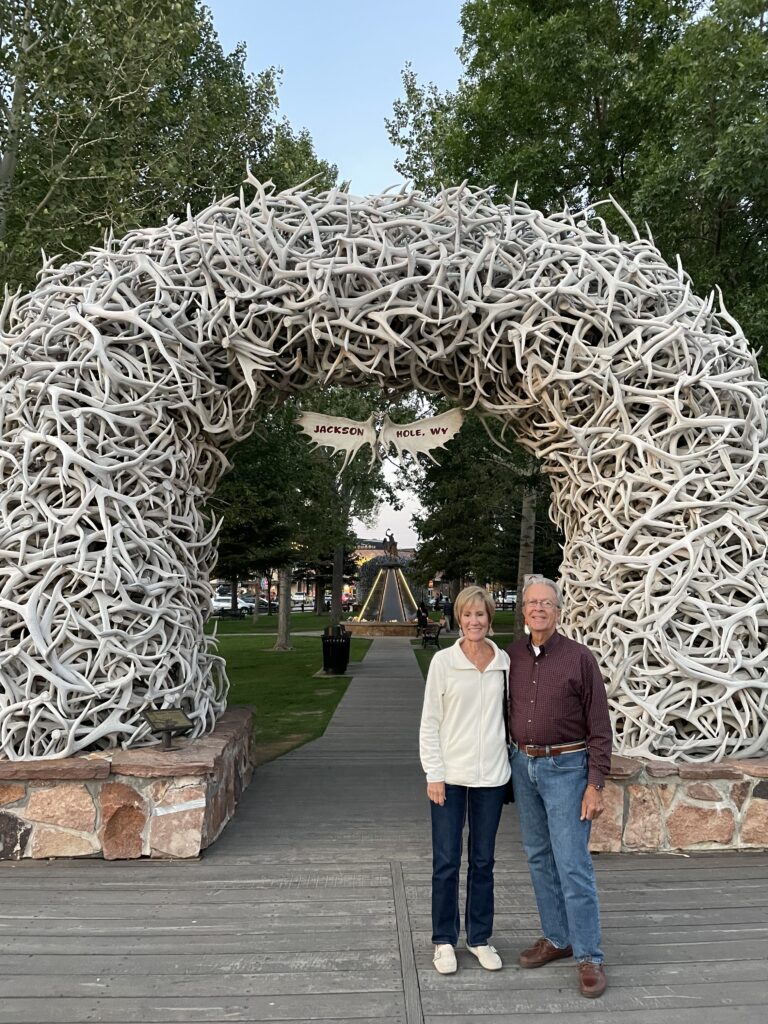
436	792
591	804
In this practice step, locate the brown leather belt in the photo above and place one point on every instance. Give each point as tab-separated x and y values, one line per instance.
537	750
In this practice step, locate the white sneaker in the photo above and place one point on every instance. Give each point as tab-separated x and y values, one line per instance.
488	957
444	959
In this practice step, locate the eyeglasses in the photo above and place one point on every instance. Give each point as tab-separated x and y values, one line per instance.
544	603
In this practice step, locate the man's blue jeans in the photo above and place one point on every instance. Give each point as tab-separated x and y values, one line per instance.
481	807
548	795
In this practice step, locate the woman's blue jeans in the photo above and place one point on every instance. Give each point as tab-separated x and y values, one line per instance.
548	795
481	808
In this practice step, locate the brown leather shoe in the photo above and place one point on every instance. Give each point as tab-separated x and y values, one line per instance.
592	980
542	952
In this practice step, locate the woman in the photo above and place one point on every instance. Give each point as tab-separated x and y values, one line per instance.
464	755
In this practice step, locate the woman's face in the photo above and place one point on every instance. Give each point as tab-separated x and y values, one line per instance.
474	621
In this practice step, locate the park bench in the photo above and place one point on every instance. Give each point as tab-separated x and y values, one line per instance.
430	636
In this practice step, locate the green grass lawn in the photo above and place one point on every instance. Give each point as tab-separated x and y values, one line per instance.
291	706
300	622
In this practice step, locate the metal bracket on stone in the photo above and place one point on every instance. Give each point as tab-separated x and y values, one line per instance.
167	721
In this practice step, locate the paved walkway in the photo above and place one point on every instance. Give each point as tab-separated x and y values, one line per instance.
314	906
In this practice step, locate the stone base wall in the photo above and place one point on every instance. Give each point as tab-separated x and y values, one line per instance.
173	803
122	804
653	806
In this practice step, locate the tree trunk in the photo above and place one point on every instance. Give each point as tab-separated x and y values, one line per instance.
15	111
235	585
257	602
319	595
283	642
337	585
525	556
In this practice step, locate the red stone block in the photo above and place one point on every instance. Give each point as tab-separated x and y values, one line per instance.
67	805
755	767
643	830
703	791
10	793
123	819
625	767
710	771
695	826
65	769
661	769
754	828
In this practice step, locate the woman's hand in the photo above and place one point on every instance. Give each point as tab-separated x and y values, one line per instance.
436	792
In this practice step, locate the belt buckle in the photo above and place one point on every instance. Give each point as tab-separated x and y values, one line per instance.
532	748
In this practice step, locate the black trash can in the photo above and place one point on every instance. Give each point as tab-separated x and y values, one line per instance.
335	650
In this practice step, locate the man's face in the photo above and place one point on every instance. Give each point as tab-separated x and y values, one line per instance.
540	609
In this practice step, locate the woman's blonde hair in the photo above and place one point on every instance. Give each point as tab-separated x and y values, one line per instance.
469	595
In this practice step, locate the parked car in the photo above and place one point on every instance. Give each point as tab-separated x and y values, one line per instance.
222	603
347	600
506	599
249	600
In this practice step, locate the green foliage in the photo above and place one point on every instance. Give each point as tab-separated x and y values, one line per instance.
473	531
701	181
662	105
117	113
278	503
554	98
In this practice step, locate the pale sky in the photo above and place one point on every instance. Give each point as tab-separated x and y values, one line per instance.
341	62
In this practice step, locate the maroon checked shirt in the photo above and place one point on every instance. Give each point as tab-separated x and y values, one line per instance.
559	697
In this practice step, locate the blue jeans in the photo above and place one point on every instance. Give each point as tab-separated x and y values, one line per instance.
548	795
481	806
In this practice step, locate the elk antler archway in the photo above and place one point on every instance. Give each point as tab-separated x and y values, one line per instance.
128	373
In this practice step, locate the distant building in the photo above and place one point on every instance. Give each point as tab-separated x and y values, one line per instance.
367	549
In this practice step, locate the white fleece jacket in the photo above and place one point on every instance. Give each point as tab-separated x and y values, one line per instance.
461	739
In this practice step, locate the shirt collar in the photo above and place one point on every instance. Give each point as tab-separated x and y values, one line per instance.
546	648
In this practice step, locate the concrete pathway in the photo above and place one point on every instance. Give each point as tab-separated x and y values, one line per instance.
314	906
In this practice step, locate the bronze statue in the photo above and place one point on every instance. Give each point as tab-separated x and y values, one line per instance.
390	544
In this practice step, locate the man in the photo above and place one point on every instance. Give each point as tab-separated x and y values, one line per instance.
448	613
560	734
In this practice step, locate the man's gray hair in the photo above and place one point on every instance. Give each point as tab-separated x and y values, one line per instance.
530	580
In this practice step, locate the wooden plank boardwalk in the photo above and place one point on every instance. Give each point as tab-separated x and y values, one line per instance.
314	906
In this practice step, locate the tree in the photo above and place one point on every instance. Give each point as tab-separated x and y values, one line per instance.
554	99
662	105
482	530
526	550
274	505
284	504
116	113
253	506
701	177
